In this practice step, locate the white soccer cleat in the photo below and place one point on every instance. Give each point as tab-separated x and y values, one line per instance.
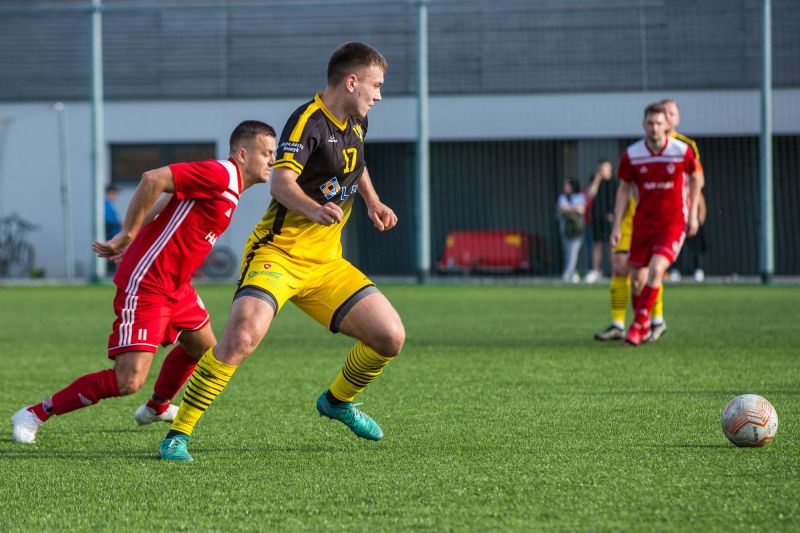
25	425
145	415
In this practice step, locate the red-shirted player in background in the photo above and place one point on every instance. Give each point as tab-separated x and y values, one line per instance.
155	302
657	166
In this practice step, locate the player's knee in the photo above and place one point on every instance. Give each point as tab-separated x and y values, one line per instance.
241	344
389	341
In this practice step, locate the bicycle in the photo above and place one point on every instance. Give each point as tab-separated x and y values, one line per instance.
16	253
221	263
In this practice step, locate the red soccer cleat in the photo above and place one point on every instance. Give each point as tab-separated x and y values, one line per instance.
636	334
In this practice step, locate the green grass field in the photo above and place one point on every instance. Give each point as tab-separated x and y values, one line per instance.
502	413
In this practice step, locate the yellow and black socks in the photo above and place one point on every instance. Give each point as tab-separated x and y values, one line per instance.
206	383
620	292
362	366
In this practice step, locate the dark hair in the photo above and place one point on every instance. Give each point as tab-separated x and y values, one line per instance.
655	108
247	131
576	187
603	161
112	189
353	56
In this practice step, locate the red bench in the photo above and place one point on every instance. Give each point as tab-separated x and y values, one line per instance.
486	251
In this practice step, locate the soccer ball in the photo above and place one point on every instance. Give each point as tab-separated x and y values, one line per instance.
749	420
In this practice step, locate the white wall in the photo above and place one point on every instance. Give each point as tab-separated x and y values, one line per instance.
29	158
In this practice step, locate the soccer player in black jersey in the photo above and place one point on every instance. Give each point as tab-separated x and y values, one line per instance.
295	254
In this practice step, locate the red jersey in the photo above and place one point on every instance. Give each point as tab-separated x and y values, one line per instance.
165	253
659	179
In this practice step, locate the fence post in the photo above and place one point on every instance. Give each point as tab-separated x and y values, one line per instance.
767	245
98	136
423	207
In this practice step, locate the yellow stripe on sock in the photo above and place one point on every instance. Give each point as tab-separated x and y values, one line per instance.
620	294
658	307
362	366
206	383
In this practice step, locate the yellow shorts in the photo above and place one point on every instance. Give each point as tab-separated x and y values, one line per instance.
324	291
626	226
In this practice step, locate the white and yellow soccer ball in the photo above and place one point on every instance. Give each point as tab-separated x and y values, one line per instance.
749	420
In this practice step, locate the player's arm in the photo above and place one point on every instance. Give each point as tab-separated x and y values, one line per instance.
285	189
620	205
156	209
696	182
594	186
382	216
152	185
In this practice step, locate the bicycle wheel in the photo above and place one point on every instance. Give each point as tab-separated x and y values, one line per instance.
220	263
21	261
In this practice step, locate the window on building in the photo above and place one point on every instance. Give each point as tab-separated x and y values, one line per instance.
130	161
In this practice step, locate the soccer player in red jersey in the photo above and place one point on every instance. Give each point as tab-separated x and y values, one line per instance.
162	243
657	166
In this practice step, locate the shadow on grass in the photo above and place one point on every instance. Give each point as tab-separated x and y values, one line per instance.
688	445
657	392
26	451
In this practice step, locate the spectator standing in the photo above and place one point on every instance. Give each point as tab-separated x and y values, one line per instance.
600	193
571	210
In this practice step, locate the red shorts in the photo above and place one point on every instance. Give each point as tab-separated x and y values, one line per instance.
146	320
647	242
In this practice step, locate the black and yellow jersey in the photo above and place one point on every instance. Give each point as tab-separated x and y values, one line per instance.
690	142
329	157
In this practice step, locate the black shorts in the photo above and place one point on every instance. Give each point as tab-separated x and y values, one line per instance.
601	230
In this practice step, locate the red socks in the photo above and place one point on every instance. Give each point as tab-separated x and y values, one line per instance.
644	304
175	371
85	391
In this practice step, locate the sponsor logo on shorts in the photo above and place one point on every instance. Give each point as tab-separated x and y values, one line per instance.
267	266
255	273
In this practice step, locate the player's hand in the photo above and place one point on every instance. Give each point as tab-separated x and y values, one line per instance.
616	236
692	227
327	214
112	248
382	216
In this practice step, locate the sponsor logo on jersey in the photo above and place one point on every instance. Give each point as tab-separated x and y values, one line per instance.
228	213
651	185
293	147
330	188
359	132
670	168
211	237
643	169
332	139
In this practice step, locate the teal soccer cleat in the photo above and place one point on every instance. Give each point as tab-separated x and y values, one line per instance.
359	422
174	448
